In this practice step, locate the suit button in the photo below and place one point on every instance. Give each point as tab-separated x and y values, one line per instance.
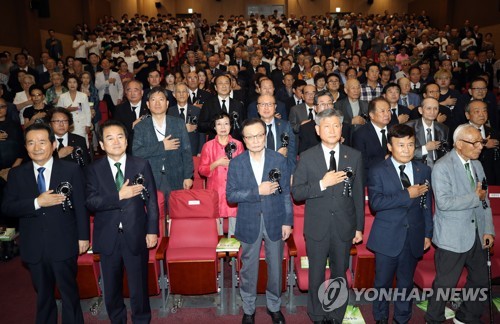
472	221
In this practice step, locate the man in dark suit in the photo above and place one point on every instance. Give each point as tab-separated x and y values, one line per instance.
333	220
189	114
61	120
463	226
131	111
22	65
430	135
221	102
307	135
276	129
264	213
214	66
266	88
51	237
403	227
297	98
123	229
371	138
479	67
477	114
196	97
399	113
164	141
154	80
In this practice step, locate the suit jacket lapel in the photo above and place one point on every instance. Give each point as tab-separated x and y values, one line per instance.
248	166
393	174
417	174
419	130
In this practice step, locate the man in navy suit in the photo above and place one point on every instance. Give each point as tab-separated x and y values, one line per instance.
403	224
266	87
334	218
51	237
371	138
61	120
264	212
189	114
131	111
199	95
123	229
276	129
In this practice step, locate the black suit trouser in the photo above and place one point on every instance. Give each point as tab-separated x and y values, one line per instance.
449	266
45	275
137	275
337	251
111	106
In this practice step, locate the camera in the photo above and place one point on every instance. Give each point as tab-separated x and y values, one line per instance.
230	148
423	198
140	180
285	139
77	155
65	189
275	176
444	146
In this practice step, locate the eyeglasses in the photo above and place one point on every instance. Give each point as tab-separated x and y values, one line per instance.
57	121
476	144
266	104
254	137
479	89
326	105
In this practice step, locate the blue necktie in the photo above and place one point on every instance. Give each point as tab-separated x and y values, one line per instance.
41	180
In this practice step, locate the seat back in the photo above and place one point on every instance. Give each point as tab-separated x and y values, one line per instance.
199	181
494	196
298	228
192	215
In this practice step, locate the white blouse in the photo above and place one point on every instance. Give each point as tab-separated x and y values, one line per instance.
81	117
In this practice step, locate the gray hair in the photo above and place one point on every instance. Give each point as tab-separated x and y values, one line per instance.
321	94
467	108
458	134
328	113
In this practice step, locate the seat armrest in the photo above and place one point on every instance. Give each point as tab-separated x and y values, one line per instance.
162	248
292	248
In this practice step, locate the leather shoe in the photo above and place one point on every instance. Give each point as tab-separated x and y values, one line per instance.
277	317
384	321
248	319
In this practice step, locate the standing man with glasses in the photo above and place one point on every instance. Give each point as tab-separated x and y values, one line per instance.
463	225
334	214
51	237
61	120
264	213
478	91
125	224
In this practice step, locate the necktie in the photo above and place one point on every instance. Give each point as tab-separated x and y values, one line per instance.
414	87
483	68
182	115
119	176
404	178
429	139
394	114
270	138
333	162
60	140
310	114
384	140
40	179
298	102
224	108
469	175
405	101
193	99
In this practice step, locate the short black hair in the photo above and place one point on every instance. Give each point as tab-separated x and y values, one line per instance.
60	110
372	105
391	85
253	121
400	131
40	126
109	123
36	87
